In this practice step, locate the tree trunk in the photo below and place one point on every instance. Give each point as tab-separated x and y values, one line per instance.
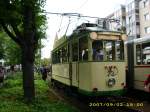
28	73
28	49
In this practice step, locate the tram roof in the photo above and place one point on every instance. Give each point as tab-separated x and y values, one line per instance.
84	29
94	29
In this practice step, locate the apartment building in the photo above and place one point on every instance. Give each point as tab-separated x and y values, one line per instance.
132	19
144	12
117	20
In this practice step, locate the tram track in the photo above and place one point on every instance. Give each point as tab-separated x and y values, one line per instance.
99	104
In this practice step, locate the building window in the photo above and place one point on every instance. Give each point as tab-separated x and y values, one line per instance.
146	16
147	29
136	5
145	3
137	18
130	18
132	6
138	29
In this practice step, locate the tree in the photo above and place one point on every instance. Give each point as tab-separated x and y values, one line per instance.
9	50
2	46
1	50
45	61
12	52
24	22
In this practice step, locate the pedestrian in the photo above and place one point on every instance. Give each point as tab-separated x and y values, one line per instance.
44	73
1	76
12	69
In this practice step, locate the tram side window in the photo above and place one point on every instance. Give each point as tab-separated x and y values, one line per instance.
58	56
68	53
98	52
64	54
75	51
55	57
146	53
138	55
83	49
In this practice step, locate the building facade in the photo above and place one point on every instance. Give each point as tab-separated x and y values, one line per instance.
132	19
144	7
117	20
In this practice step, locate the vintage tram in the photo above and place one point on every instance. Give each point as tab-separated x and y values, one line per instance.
90	61
138	55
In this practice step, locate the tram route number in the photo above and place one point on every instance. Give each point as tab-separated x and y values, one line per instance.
116	104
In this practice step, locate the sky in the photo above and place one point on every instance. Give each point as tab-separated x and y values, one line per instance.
58	24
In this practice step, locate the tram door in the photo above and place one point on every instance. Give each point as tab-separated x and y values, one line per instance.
75	74
74	66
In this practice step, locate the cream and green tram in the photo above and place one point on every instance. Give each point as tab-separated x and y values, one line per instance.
90	62
138	62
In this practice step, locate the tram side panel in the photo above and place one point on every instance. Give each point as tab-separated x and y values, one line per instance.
138	65
108	76
94	76
85	77
61	73
107	71
140	76
75	71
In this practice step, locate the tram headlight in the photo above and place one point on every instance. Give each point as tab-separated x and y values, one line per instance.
111	82
95	89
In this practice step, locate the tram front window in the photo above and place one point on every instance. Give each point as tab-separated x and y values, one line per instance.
107	50
98	52
110	50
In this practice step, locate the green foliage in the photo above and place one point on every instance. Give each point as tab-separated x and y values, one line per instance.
9	50
1	51
45	61
2	46
12	53
11	97
25	23
12	18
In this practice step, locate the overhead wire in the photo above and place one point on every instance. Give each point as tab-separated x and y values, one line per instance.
82	4
79	17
